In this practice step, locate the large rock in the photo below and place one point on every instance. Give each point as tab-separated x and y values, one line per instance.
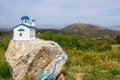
28	59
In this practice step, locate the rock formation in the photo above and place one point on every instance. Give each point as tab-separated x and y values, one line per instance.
38	59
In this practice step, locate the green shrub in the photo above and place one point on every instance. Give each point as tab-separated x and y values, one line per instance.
117	39
4	70
90	58
63	40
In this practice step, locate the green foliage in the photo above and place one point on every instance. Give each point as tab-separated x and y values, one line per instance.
4	71
63	40
101	45
118	39
90	58
75	42
94	65
94	59
85	56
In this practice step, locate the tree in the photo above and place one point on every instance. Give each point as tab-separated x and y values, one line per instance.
118	39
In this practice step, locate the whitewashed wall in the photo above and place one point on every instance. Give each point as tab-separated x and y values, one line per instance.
25	34
32	33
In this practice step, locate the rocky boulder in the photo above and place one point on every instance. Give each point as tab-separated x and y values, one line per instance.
38	59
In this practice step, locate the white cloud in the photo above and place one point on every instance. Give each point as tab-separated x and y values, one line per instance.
61	11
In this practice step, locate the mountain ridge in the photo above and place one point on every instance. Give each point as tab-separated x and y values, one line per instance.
79	29
82	29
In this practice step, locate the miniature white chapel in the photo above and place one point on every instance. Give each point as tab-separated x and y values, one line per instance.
25	30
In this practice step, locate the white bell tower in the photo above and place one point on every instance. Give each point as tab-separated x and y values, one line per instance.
25	19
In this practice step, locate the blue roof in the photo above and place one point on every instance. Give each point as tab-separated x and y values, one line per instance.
25	26
33	20
25	17
21	29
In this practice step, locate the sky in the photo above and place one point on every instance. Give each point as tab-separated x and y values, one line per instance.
59	13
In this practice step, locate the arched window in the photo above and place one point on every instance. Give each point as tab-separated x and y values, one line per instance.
21	29
20	34
25	21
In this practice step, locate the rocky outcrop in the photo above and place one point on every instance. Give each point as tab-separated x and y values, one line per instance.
38	58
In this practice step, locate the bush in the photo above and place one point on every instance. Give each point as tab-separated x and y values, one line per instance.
4	70
117	39
90	58
64	40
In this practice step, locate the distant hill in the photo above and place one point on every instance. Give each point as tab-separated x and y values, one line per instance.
5	30
81	29
115	27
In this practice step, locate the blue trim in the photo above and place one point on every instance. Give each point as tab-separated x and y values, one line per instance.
21	29
25	17
25	26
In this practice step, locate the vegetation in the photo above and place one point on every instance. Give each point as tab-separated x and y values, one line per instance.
91	59
118	39
4	71
88	58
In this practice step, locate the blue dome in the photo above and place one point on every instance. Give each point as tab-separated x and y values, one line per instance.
25	17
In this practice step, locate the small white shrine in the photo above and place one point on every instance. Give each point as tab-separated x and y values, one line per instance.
25	30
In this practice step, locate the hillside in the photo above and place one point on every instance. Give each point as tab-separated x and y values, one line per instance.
89	60
5	30
81	29
117	27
